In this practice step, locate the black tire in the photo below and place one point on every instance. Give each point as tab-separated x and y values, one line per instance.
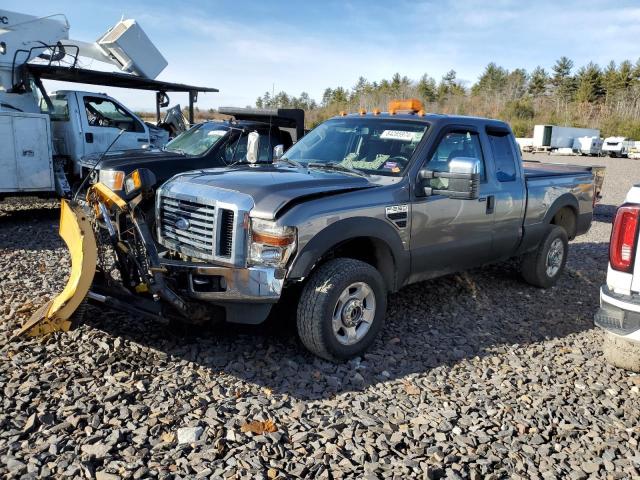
534	267
620	352
319	300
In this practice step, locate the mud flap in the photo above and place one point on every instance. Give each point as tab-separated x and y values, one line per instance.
77	233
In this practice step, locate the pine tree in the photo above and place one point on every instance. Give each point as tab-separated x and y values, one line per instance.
589	81
427	88
538	82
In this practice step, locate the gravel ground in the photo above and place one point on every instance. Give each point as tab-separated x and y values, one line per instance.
475	376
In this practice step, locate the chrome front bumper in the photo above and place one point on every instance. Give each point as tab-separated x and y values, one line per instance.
220	284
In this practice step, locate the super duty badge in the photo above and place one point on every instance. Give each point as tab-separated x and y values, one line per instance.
398	215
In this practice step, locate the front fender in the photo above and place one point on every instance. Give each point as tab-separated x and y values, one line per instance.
348	229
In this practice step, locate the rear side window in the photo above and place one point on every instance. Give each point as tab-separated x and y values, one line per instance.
503	156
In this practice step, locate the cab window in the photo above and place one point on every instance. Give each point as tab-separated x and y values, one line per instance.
105	113
235	150
455	144
503	156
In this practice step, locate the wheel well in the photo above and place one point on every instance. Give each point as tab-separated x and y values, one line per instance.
566	218
373	251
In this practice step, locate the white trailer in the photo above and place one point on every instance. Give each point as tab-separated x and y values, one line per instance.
634	150
616	146
552	137
525	144
587	146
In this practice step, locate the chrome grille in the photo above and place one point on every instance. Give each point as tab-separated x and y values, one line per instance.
202	221
189	227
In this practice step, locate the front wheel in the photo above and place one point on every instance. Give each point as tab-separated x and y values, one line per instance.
341	309
543	266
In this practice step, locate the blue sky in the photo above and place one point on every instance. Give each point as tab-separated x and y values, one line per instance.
247	47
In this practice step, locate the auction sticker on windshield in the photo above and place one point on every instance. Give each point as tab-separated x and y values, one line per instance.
402	135
217	133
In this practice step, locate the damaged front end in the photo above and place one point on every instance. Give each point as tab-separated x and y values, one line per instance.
114	261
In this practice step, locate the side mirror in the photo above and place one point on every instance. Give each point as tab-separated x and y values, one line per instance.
253	146
462	181
278	151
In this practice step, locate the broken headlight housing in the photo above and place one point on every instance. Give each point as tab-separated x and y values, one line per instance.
271	244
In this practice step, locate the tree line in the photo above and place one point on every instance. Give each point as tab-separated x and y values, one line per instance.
590	96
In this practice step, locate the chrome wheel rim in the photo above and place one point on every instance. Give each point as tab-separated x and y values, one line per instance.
555	257
354	313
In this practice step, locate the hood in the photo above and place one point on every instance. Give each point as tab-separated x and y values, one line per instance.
273	187
130	158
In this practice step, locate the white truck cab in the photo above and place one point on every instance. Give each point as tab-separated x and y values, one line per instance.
619	312
85	123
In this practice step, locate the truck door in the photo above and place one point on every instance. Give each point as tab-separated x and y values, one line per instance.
507	191
102	120
449	234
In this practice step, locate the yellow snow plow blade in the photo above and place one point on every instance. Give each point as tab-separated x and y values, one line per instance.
77	233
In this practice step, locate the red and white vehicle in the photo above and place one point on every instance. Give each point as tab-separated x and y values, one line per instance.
619	312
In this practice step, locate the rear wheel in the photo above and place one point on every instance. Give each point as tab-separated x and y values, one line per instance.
341	309
621	352
543	266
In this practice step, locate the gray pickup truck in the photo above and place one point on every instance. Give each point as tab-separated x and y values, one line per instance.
360	207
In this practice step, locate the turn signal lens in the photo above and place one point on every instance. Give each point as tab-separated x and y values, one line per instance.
624	238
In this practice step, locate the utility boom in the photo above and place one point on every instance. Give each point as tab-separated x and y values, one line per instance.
47	137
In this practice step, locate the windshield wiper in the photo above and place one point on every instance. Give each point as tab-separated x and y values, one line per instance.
336	166
295	163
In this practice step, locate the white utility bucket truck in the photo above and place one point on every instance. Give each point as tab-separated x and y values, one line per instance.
45	136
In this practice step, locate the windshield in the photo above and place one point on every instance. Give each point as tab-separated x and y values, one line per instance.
198	139
381	146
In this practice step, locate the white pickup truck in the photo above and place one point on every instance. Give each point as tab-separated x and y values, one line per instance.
619	312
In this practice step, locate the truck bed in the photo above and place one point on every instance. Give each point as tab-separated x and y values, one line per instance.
535	170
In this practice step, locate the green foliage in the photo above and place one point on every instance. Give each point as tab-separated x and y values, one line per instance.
621	127
589	81
522	128
427	88
588	96
519	109
283	100
492	80
539	82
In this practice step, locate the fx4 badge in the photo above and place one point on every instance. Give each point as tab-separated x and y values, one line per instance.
398	214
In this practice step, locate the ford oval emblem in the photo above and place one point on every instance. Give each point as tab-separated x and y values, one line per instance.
182	224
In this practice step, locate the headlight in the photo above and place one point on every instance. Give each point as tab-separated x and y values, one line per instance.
271	244
114	179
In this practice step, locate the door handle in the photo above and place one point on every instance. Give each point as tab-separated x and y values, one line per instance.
491	203
27	153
